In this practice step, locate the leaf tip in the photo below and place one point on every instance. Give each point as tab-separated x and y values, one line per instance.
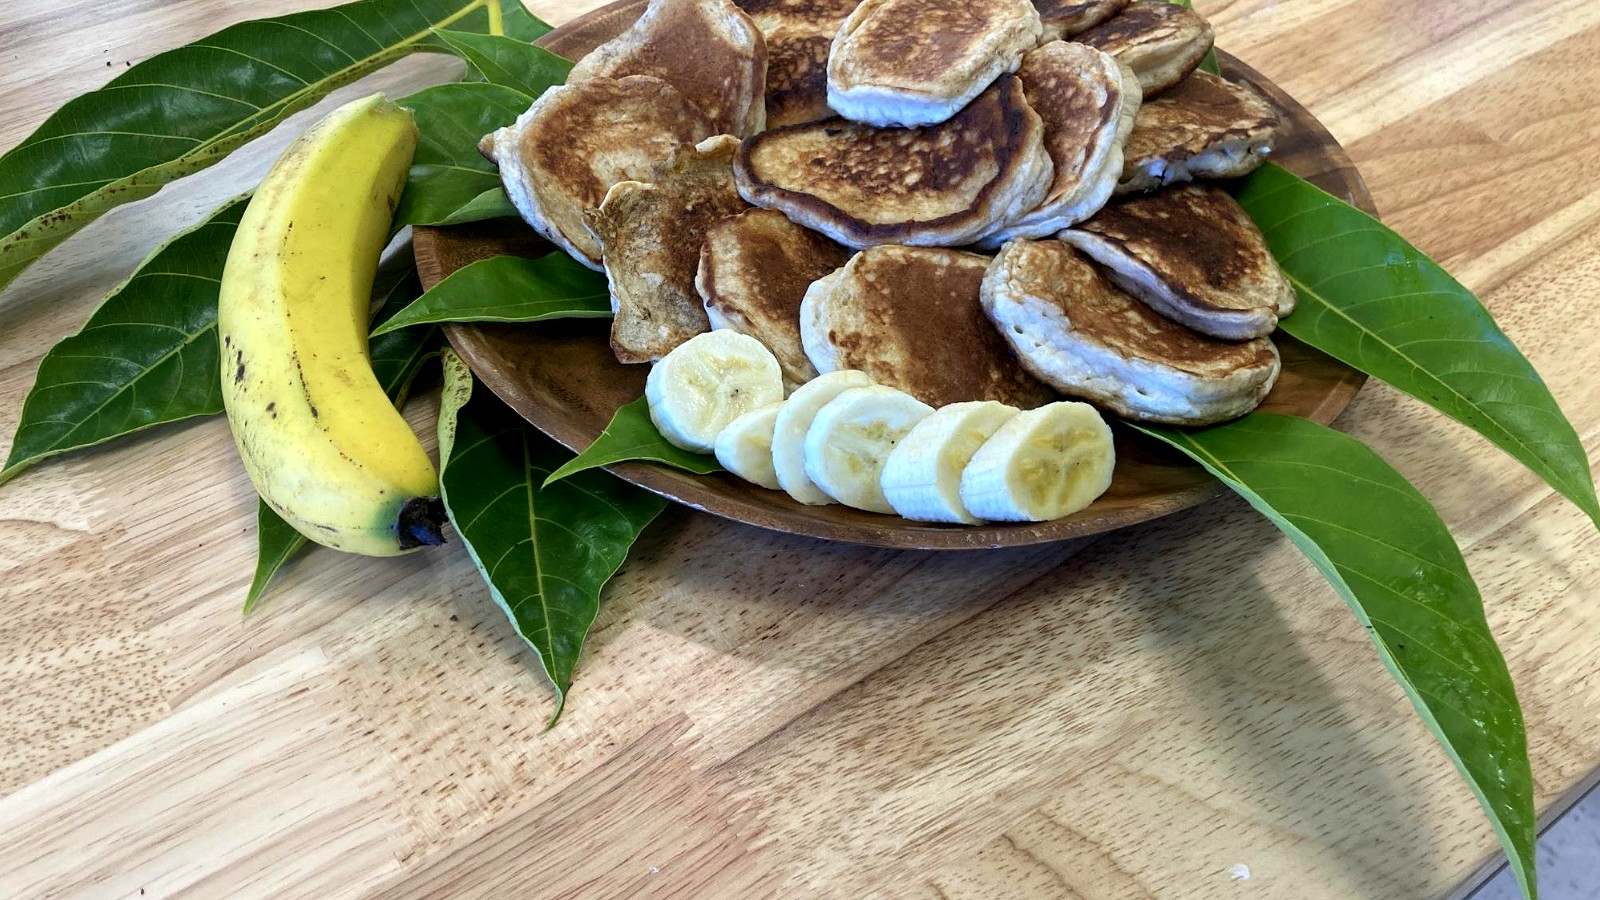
555	716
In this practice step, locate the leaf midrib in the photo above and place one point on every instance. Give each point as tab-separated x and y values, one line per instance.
1308	291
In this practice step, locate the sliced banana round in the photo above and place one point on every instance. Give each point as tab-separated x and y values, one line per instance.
1043	464
852	437
745	446
794	420
922	476
707	382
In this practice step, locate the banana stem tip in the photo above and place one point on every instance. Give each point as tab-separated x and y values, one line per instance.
421	523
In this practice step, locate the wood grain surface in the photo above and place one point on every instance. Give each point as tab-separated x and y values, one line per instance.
564	378
1183	709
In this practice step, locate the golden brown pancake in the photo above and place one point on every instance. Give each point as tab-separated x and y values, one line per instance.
918	62
755	268
1087	101
1206	127
577	140
651	235
1065	18
1160	41
797	75
1192	254
708	49
909	317
1080	334
940	185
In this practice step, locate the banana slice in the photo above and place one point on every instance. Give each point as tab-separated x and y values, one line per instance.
707	382
852	436
922	476
794	420
1043	464
745	446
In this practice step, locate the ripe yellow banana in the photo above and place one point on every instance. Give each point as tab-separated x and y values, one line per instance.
324	446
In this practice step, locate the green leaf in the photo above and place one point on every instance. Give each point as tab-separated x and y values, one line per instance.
148	355
511	289
508	62
448	172
397	357
545	552
1385	549
276	543
185	109
517	22
1378	304
491	204
632	436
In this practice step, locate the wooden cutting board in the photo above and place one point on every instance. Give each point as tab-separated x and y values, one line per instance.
1182	709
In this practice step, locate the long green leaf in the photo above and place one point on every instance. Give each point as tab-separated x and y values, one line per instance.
508	62
545	552
148	355
632	436
1385	549
397	357
448	172
185	109
511	289
1372	300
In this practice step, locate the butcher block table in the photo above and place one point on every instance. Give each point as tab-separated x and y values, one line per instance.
1182	709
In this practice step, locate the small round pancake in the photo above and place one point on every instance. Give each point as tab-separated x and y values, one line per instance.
1206	127
577	140
708	49
940	185
1065	18
1087	101
909	317
918	62
755	268
1192	254
1161	42
1084	337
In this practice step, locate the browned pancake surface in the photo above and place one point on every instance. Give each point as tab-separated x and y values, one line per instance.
754	271
1201	112
798	12
605	131
1200	240
1057	274
797	75
1075	106
877	185
916	324
707	49
1161	41
1139	24
651	234
1065	18
914	42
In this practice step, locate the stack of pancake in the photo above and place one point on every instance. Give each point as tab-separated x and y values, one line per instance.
966	199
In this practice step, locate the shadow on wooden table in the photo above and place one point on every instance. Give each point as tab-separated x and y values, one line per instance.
1137	695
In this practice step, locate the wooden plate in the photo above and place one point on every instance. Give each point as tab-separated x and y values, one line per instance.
561	376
